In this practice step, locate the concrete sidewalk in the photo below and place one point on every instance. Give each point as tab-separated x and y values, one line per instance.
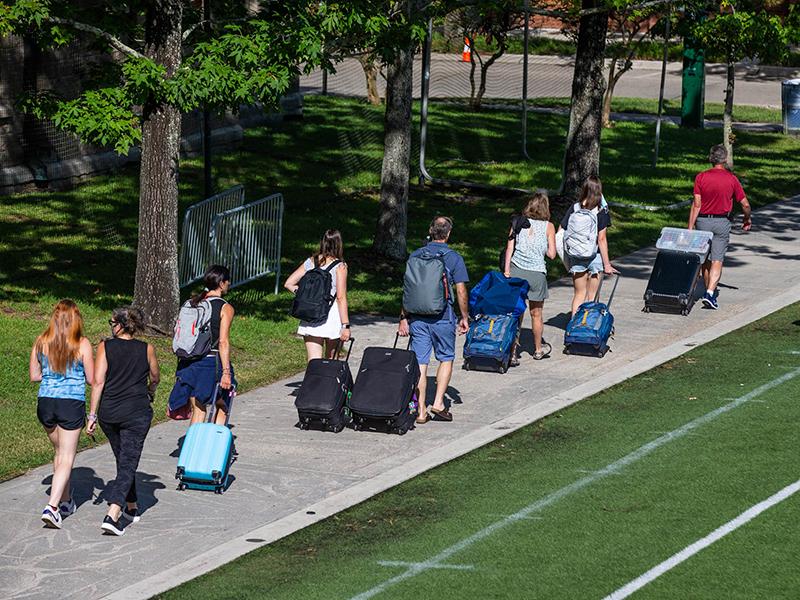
286	479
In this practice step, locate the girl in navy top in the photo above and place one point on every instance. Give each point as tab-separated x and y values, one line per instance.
61	359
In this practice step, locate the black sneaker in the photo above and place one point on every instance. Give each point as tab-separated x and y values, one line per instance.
111	527
131	514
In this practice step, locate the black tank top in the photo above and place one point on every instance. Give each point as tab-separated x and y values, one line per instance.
216	317
125	390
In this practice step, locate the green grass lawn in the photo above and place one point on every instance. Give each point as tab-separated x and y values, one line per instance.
583	541
713	110
81	243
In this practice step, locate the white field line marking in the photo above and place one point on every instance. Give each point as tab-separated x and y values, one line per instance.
573	487
676	559
401	563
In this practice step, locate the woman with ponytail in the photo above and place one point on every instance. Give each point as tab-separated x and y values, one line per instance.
61	360
322	337
126	377
197	378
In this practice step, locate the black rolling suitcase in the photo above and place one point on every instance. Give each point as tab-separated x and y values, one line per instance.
384	395
673	285
322	399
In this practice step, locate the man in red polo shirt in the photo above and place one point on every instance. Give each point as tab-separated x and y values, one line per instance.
714	193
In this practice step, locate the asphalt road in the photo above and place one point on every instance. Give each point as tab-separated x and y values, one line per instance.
551	76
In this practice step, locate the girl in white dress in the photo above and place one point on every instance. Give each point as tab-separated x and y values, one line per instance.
337	325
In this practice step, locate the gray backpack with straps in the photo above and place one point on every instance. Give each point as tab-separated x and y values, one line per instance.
192	337
580	238
426	286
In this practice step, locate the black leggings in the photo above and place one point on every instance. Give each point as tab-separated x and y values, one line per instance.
127	441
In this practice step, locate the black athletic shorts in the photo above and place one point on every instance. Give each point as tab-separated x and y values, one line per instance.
64	412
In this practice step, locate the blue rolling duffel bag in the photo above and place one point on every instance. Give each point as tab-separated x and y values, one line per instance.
207	453
496	304
591	326
490	340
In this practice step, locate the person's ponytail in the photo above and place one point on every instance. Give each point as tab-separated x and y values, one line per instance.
214	277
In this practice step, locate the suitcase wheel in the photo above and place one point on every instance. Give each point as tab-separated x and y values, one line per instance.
218	490
646	309
357	426
503	368
337	428
602	352
181	487
324	421
467	366
401	431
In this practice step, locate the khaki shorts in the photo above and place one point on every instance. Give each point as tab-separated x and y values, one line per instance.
721	228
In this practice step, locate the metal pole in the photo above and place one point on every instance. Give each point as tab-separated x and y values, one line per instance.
661	89
527	13
423	110
207	184
324	82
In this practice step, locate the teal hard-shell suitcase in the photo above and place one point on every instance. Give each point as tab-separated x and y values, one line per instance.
206	455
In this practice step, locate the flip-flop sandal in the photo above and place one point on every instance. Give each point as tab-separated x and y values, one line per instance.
442	415
543	354
422	421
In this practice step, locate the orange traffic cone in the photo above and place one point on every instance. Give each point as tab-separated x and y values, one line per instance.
466	54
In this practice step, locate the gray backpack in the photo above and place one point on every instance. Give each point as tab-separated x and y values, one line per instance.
426	286
192	337
580	238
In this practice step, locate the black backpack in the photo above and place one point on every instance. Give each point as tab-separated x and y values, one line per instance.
313	299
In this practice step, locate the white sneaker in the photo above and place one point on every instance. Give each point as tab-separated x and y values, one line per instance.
67	508
51	518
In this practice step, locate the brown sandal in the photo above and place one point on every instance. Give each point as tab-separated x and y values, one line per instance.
422	420
442	415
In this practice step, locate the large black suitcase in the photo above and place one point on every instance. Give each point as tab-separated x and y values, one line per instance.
322	399
673	285
384	394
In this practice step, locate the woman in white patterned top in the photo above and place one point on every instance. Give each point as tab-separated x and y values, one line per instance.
528	243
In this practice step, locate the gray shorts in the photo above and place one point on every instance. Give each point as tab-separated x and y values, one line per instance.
537	281
721	228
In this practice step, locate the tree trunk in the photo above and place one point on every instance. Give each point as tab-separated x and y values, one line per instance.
476	103
727	117
156	288
582	152
609	95
473	54
371	74
390	235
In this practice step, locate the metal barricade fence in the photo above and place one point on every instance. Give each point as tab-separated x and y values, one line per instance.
196	252
248	240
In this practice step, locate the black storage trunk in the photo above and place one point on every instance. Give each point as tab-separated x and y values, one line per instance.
322	399
383	394
673	285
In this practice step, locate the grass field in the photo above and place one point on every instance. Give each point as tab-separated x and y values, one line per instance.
81	243
582	502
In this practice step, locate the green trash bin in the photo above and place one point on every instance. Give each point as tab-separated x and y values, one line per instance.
693	88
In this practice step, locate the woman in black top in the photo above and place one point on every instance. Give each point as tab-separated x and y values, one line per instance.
126	376
196	379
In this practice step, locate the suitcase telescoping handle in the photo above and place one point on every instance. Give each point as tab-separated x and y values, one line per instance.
340	345
397	338
613	290
211	411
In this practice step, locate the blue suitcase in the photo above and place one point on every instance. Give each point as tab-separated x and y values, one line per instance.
206	454
496	304
591	326
490	340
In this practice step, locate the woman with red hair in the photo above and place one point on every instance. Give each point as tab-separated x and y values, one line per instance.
61	360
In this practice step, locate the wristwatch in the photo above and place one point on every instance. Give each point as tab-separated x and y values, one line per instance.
345	325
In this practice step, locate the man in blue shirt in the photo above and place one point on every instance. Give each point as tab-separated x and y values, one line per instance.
437	333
